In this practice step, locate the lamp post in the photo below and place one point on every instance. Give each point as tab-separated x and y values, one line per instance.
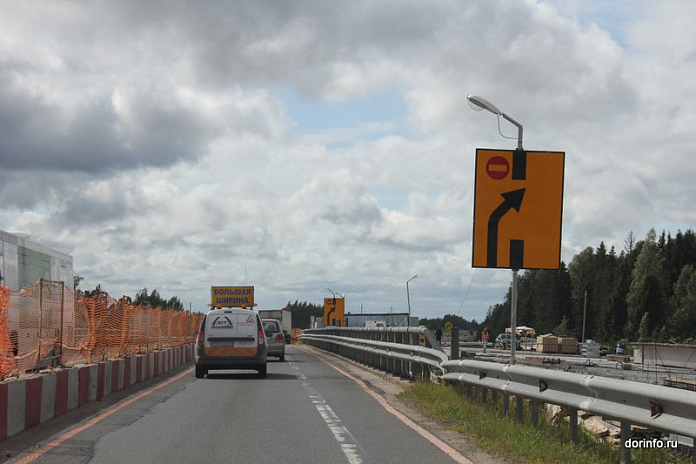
334	293
478	104
408	297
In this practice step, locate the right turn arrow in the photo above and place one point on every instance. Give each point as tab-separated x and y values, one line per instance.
511	200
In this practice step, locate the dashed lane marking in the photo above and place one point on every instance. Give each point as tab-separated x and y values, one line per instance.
451	452
349	445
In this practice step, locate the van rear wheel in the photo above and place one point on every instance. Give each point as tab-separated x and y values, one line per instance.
201	372
262	371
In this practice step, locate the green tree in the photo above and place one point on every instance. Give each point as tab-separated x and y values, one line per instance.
302	313
682	324
544	298
562	328
582	272
97	290
155	300
649	289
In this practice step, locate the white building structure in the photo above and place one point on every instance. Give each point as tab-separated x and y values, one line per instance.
23	261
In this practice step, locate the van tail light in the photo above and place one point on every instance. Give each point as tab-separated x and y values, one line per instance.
262	338
280	336
199	342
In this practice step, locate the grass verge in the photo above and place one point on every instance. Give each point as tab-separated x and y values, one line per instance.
503	436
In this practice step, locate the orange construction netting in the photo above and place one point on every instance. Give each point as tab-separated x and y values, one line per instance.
6	343
49	325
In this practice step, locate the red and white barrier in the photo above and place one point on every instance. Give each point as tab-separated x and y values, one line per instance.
28	401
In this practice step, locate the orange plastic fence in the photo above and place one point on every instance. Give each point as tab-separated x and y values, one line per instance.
6	343
48	324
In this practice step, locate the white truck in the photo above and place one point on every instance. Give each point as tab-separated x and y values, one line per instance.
283	315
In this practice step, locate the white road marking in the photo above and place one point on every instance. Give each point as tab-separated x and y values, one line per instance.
348	444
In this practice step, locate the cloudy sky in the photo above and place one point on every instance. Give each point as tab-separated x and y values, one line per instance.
296	146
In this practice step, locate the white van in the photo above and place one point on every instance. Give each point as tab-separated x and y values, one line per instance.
231	338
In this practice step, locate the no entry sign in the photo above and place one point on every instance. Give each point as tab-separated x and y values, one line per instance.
497	168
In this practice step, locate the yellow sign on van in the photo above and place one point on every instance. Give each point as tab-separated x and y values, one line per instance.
233	297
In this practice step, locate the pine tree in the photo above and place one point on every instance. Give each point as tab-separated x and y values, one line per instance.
648	290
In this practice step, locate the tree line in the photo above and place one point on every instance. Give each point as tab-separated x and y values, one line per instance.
302	313
143	297
647	292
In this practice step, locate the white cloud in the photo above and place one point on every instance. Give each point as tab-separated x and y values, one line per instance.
156	145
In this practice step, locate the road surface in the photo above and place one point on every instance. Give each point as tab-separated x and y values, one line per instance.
310	408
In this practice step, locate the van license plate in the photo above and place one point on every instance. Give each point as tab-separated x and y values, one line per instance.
225	344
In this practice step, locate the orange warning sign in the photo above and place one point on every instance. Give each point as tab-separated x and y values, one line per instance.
518	209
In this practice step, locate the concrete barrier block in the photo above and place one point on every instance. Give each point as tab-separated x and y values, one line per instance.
61	392
121	373
3	410
16	406
48	396
150	365
108	376
138	369
73	389
127	372
101	379
133	369
93	382
82	385
32	410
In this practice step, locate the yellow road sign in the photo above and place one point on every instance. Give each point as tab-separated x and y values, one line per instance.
518	209
232	296
334	311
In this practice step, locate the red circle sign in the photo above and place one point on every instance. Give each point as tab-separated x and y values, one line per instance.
497	168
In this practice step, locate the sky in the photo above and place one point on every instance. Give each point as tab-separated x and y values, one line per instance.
312	145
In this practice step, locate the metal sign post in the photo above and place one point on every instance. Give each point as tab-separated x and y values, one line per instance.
518	204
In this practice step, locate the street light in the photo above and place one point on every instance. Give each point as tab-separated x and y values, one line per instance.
408	297
478	103
334	293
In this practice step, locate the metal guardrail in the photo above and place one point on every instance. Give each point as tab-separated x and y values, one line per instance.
634	403
395	350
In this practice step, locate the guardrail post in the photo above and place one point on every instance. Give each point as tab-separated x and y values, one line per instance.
484	395
573	425
519	408
412	366
373	355
625	436
506	404
399	364
383	360
534	404
454	344
391	363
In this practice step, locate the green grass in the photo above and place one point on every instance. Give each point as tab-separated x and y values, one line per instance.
503	436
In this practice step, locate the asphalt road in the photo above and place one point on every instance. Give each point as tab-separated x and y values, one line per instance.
304	411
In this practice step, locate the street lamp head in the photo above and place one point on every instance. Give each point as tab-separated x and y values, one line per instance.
479	103
416	275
